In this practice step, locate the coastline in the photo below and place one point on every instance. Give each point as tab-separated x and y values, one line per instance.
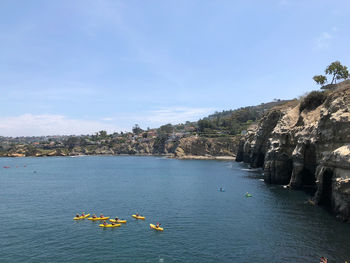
207	157
171	156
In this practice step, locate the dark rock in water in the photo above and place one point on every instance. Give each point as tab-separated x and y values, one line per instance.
307	150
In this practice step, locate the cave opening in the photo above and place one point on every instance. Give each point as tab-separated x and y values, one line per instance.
326	195
308	179
260	160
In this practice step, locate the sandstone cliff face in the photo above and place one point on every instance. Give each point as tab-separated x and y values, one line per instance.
197	146
308	149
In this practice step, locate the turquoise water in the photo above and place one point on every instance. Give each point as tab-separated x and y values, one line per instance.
38	202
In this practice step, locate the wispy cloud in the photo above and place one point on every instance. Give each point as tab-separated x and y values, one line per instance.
323	41
37	125
106	13
157	117
177	114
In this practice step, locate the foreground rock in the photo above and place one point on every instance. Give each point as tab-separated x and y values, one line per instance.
307	149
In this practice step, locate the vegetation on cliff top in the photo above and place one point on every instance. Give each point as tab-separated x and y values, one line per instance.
233	122
337	72
312	100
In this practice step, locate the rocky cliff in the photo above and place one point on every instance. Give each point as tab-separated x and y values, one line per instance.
306	144
191	147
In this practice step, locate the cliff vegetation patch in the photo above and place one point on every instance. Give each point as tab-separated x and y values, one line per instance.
312	100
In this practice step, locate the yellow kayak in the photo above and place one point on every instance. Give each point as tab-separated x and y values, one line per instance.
98	218
81	217
156	228
119	221
139	217
109	225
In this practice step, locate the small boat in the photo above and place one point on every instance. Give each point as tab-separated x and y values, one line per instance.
98	218
119	221
109	225
139	217
156	228
81	217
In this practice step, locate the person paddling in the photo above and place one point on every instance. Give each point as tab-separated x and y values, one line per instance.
116	219
77	215
104	223
94	216
158	225
101	216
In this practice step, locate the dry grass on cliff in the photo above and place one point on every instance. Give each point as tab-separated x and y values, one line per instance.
287	105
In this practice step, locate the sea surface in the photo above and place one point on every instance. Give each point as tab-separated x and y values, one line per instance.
40	196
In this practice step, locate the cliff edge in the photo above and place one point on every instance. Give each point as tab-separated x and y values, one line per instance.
306	144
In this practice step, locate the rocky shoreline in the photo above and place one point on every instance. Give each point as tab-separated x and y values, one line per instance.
206	157
306	149
171	156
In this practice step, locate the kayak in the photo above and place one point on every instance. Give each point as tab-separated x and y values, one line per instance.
156	228
139	217
98	218
248	195
119	221
81	217
110	225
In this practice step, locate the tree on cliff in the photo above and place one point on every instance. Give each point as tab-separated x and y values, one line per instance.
136	129
102	134
338	71
71	142
167	128
320	79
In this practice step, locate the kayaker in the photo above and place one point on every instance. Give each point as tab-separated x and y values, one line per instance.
116	219
137	214
77	215
82	214
112	223
101	216
94	216
104	223
158	225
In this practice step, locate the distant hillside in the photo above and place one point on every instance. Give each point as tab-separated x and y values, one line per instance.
233	122
215	135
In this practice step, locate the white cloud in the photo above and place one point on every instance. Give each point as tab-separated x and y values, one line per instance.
323	41
36	125
177	114
157	117
51	124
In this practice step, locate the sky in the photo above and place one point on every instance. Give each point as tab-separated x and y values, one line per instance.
78	67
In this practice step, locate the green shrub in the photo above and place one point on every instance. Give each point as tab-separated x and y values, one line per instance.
312	100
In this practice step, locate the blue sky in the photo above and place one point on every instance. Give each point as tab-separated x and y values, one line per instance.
76	67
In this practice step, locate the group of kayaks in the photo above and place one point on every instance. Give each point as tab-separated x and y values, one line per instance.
115	222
